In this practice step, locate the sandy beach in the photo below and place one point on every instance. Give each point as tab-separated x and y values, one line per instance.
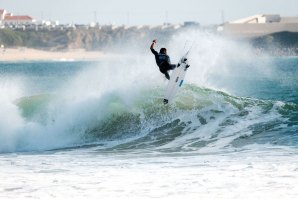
27	54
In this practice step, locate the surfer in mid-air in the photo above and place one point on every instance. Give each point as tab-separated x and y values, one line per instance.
162	60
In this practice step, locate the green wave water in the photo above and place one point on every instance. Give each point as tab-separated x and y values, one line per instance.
198	117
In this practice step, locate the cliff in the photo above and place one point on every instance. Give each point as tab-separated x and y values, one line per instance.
281	43
109	38
103	38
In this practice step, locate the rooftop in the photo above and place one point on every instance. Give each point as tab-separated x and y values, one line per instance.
17	18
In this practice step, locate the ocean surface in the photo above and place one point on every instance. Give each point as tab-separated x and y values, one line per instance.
71	129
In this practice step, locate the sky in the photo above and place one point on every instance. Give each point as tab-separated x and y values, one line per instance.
149	12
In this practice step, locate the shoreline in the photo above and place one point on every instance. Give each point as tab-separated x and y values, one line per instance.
29	54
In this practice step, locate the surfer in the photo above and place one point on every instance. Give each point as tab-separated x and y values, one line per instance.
162	60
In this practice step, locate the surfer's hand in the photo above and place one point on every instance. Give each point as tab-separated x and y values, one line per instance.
154	41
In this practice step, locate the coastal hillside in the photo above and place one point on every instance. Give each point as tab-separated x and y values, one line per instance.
281	43
109	38
103	38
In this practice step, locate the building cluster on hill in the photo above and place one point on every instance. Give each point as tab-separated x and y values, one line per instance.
260	25
26	22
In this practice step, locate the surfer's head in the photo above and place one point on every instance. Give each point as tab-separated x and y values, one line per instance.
163	51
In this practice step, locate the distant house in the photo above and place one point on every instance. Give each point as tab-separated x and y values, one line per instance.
18	20
9	19
259	25
258	19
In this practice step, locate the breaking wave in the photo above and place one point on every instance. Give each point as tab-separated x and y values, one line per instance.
199	119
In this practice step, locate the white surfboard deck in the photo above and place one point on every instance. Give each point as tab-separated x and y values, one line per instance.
176	79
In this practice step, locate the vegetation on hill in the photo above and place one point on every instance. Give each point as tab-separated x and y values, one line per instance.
110	38
90	39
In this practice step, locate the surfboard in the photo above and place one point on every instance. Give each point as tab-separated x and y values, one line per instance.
176	79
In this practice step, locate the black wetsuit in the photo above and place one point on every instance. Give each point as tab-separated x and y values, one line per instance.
163	62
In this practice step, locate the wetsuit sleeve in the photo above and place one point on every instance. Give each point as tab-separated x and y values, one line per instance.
168	60
154	52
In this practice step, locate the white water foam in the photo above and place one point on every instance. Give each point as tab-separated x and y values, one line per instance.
83	173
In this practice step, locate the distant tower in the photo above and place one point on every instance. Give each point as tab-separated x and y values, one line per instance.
128	18
222	17
95	17
166	18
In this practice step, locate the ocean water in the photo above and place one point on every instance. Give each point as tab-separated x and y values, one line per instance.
100	129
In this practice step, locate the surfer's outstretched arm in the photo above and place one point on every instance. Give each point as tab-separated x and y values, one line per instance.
153	44
152	47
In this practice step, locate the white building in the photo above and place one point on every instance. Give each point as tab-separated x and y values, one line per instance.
2	14
259	25
18	20
9	19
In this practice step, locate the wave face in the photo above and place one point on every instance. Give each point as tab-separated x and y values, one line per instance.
231	101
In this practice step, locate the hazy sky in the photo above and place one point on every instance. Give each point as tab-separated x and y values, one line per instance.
151	12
